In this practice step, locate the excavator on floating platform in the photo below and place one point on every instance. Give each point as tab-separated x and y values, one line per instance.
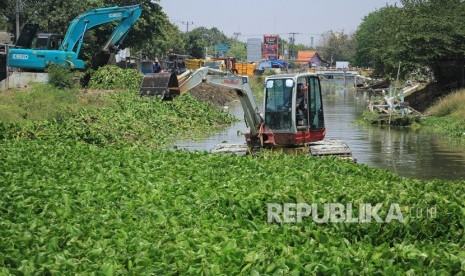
292	120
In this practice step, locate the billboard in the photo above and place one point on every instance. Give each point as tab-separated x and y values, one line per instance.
270	46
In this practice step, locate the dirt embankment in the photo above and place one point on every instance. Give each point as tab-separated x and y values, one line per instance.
218	96
423	99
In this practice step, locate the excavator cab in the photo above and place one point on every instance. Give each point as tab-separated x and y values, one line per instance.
47	41
293	109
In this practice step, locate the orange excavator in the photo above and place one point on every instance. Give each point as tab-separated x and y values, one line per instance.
292	120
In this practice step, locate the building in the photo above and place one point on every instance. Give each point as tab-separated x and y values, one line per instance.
254	49
342	65
310	59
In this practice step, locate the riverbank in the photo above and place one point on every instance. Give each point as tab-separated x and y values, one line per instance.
105	117
447	116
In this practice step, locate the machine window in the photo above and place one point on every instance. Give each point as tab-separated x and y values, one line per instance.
278	111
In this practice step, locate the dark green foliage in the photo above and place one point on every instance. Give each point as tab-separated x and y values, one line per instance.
421	33
376	42
448	126
60	77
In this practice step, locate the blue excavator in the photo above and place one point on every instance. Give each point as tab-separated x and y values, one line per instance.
54	49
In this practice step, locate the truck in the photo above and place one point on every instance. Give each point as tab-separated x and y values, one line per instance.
56	49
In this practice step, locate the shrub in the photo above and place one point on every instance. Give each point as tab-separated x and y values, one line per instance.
60	77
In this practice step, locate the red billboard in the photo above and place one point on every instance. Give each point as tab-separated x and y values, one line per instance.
270	46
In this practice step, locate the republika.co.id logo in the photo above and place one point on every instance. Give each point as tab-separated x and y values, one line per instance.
340	213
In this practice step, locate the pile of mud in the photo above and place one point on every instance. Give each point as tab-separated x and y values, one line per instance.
218	96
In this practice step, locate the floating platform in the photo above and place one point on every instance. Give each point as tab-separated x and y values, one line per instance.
330	147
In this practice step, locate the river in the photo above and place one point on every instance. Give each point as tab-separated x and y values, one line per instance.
401	150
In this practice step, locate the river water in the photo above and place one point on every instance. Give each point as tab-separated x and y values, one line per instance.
400	150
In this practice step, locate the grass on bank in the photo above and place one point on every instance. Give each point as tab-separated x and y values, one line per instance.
447	115
116	117
41	102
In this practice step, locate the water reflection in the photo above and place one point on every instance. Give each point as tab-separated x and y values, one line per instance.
401	150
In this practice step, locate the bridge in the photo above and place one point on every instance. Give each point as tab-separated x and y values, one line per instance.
338	73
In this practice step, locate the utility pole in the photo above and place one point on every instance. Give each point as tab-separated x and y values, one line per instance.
311	44
292	54
18	3
187	23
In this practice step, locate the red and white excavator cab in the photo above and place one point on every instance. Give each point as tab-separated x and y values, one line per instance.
293	110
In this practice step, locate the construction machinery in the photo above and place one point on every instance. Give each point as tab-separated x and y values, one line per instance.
64	50
292	120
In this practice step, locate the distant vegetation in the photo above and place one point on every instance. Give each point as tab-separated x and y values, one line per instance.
424	35
427	35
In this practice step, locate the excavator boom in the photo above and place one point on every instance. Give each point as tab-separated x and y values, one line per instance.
84	22
164	84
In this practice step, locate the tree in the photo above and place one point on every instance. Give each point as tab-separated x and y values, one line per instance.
438	39
196	41
375	41
238	50
201	38
336	46
426	34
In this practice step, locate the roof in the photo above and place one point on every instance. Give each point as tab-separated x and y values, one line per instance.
306	55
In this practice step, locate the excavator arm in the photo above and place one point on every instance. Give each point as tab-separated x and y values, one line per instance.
240	84
165	85
86	21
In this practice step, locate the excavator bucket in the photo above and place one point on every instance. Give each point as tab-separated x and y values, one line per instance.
165	85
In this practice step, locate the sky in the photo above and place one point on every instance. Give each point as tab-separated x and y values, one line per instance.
253	18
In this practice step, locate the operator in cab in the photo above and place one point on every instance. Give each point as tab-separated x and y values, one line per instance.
156	66
301	105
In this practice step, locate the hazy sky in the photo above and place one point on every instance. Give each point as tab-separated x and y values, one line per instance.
253	18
